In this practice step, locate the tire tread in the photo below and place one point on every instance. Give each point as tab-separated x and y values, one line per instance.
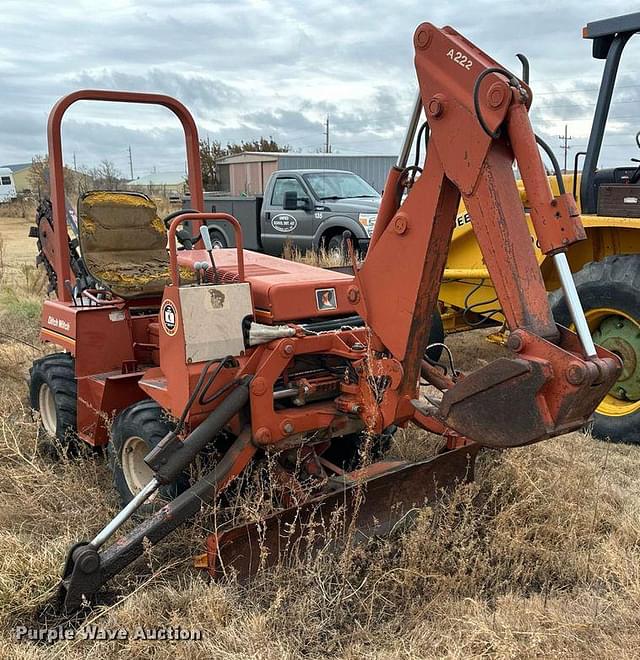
612	282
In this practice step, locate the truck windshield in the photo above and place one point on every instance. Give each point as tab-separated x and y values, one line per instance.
339	185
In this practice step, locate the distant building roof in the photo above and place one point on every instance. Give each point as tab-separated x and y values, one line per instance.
334	155
249	156
18	166
253	156
160	179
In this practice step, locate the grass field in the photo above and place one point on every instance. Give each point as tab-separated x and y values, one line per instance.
540	557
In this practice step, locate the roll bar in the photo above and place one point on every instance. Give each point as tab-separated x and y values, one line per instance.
198	217
61	246
610	36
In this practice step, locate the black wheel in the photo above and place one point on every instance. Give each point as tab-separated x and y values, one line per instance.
53	393
610	294
218	241
345	452
135	431
436	336
335	243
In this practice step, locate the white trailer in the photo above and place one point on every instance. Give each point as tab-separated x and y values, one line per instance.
7	185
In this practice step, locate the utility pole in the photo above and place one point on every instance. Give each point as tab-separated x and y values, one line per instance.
565	147
327	144
75	167
130	163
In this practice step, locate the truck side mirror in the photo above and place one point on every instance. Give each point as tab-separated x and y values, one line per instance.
290	200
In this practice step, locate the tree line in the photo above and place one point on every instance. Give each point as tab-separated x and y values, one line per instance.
106	176
212	150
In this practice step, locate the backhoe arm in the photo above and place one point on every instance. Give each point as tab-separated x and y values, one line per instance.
478	119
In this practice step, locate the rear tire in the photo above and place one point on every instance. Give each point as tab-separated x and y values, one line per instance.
53	394
218	241
135	432
610	294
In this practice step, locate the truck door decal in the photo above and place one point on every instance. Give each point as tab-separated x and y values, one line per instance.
284	222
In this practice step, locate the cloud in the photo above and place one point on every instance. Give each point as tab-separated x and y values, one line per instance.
278	67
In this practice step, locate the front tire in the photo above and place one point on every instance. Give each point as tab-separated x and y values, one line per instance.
610	294
336	244
53	393
135	432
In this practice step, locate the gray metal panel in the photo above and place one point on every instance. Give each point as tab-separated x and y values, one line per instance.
373	169
612	26
245	209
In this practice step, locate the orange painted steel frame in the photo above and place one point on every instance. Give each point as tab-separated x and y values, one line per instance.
464	160
552	387
61	249
107	340
197	219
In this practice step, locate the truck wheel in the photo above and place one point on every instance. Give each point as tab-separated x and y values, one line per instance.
135	432
218	240
610	294
335	243
53	393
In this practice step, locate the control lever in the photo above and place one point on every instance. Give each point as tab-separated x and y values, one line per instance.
206	239
200	268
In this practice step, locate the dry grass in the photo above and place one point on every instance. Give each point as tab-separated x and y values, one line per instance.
19	208
540	557
321	258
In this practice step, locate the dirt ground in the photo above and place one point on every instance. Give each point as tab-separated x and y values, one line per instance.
540	557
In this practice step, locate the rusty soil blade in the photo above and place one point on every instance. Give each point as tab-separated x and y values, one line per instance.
372	506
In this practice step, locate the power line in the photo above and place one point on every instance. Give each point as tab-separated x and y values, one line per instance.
572	91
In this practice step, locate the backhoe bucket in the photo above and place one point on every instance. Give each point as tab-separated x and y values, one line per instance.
382	497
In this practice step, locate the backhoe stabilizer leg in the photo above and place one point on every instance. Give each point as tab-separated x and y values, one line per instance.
87	570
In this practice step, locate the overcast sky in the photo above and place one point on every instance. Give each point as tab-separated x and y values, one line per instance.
247	68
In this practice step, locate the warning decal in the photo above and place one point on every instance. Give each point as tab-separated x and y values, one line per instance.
169	317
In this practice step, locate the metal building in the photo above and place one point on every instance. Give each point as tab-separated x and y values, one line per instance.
247	173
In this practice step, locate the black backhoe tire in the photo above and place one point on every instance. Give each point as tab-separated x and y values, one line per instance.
610	288
53	393
135	431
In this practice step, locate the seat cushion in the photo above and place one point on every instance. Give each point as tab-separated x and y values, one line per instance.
123	242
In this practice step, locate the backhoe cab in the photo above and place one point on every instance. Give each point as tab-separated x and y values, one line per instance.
604	191
200	352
